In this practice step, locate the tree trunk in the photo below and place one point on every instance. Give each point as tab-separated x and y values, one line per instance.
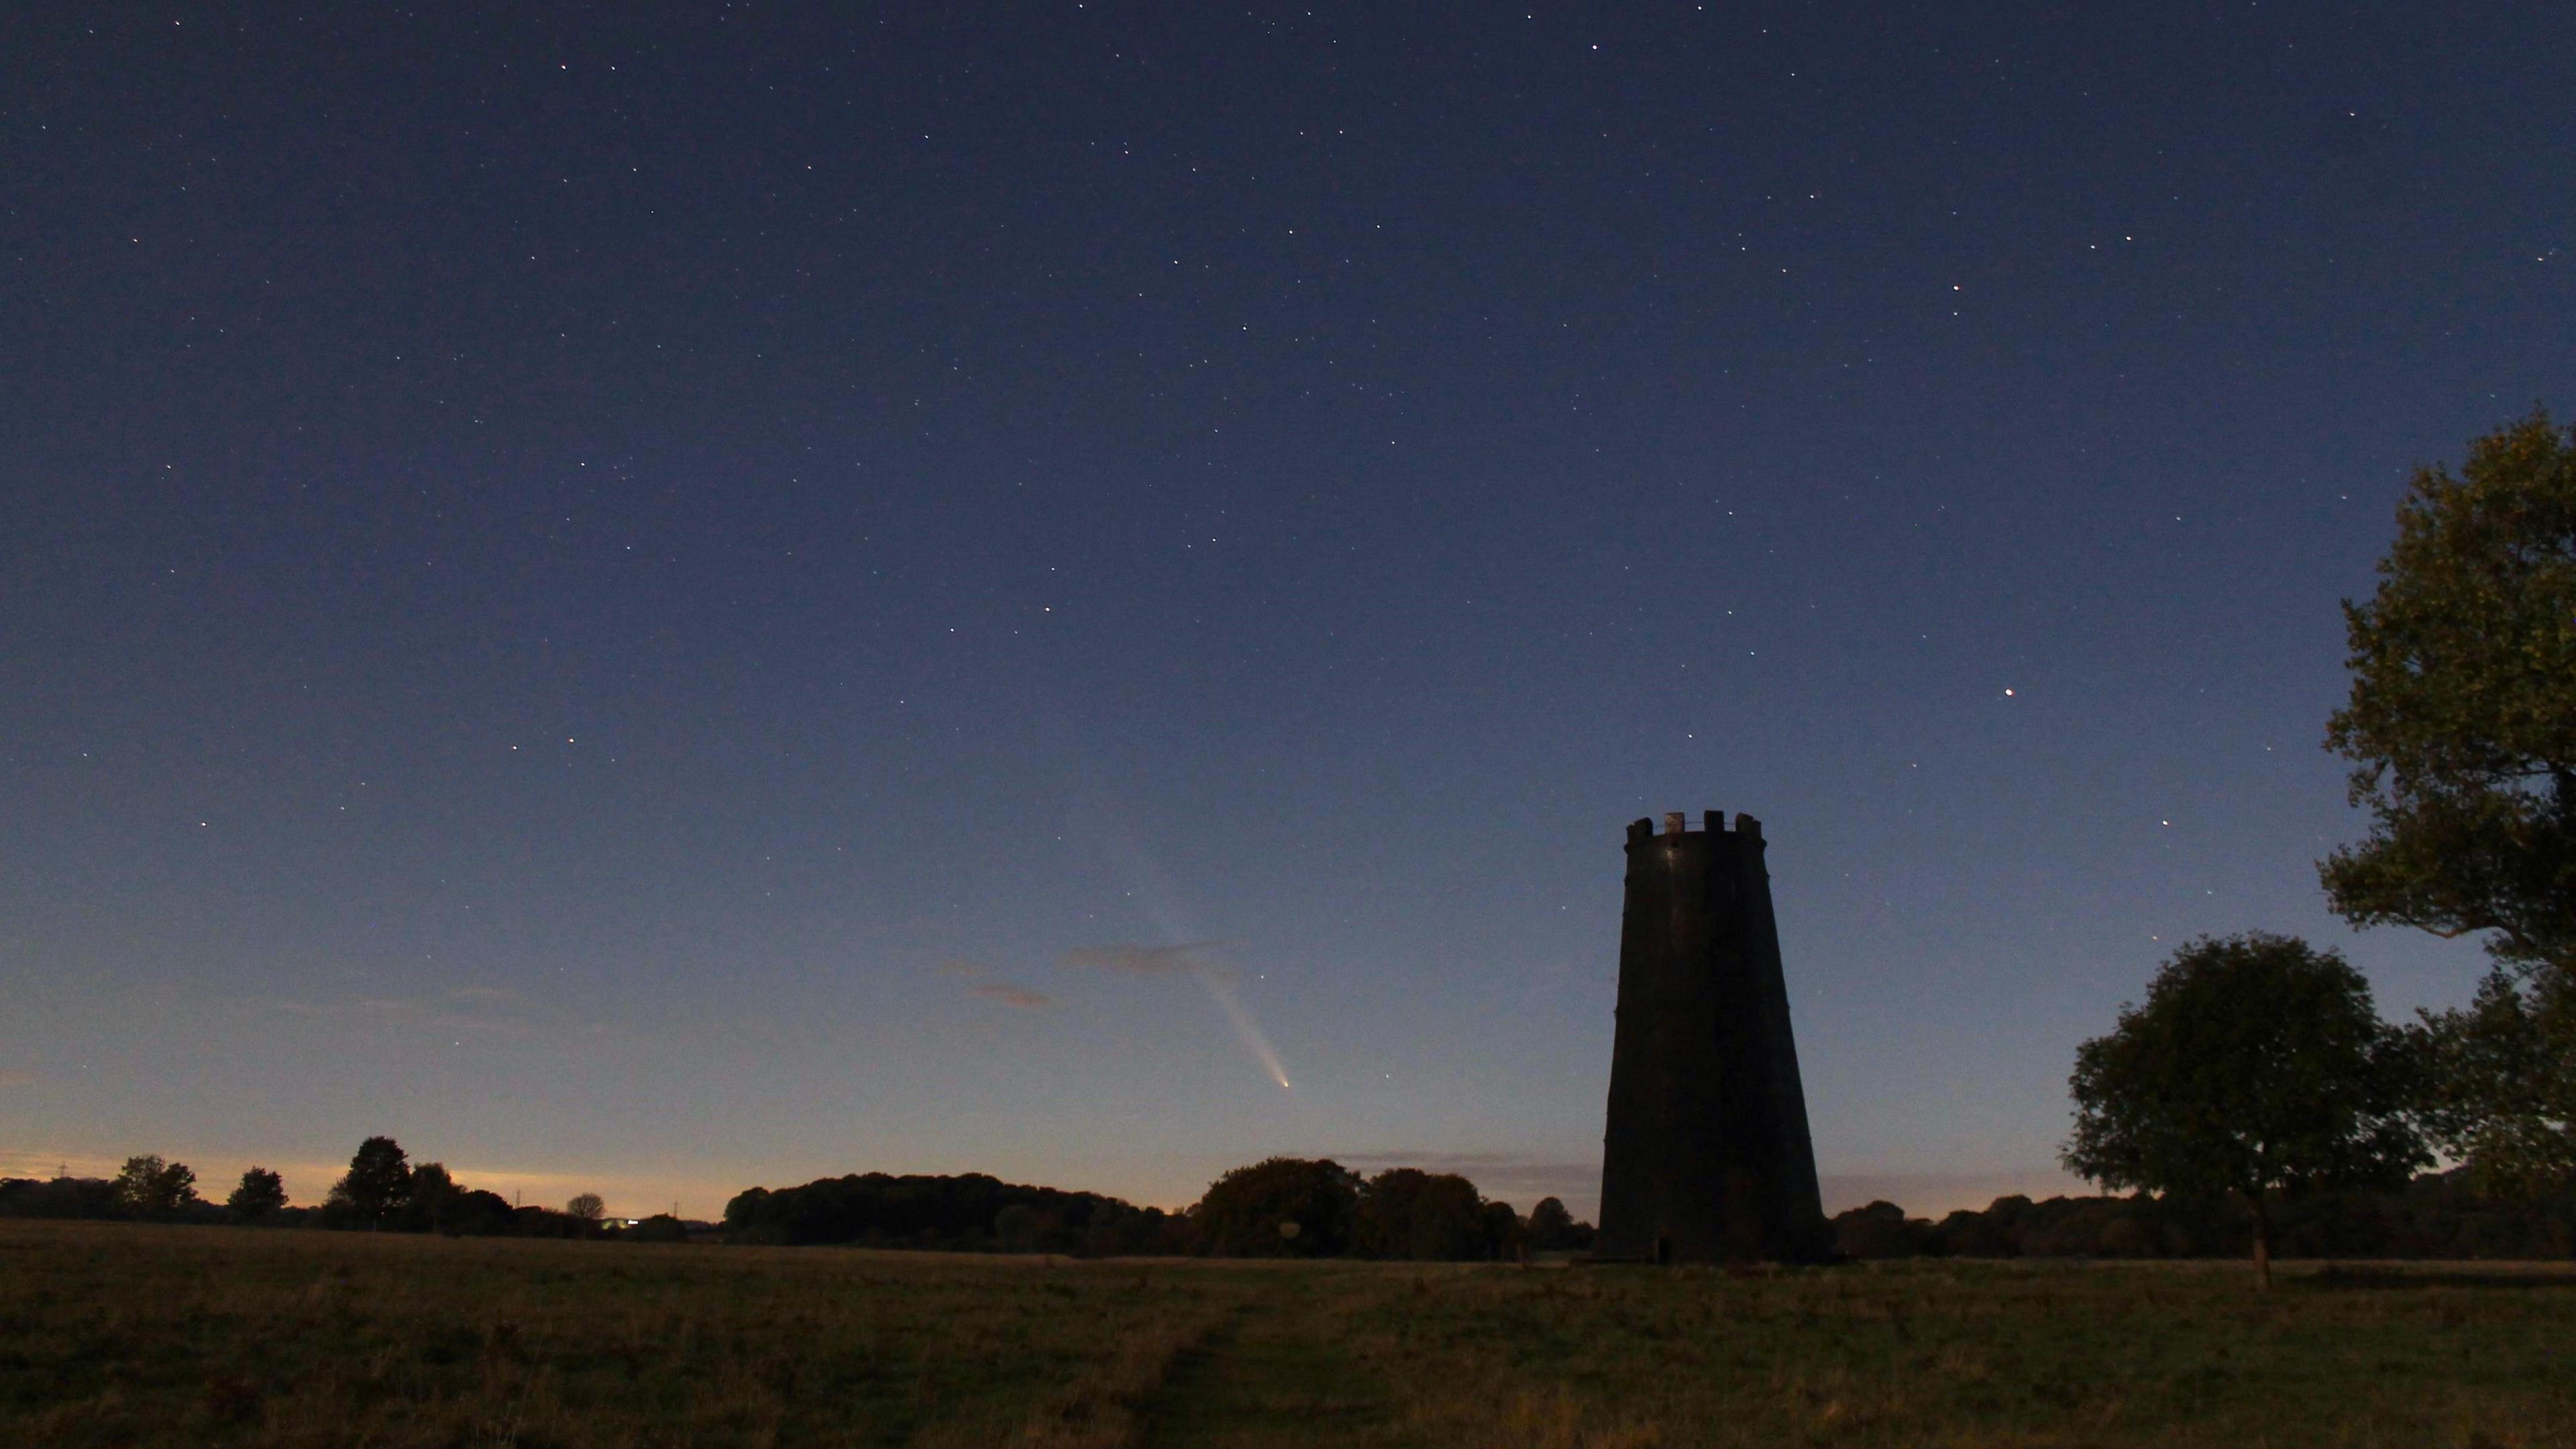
2262	1240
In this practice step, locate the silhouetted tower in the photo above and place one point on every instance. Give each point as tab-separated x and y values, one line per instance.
1707	1154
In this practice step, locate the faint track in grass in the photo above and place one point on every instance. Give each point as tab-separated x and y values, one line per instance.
1110	1409
1277	1374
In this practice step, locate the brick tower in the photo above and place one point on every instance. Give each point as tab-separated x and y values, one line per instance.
1707	1156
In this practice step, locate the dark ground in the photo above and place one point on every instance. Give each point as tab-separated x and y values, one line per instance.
114	1334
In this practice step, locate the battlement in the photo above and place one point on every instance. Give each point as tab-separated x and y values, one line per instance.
1712	822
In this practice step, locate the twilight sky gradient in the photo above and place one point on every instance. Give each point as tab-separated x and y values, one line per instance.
663	599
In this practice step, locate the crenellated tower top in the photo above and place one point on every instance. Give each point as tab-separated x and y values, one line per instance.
1712	822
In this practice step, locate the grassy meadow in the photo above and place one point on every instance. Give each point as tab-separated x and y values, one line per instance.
115	1334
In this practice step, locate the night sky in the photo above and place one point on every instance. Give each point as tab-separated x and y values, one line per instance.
663	601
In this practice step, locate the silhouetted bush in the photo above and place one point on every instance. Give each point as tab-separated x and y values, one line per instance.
475	1213
152	1188
258	1197
2435	1216
376	1188
1550	1228
1405	1212
1882	1230
538	1222
972	1212
1282	1207
61	1197
659	1228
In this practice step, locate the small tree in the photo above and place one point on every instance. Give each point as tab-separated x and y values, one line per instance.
378	1183
2257	1065
261	1192
587	1207
148	1187
1551	1227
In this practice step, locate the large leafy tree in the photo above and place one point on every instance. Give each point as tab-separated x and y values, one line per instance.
2462	730
2256	1065
150	1188
1283	1207
1405	1212
378	1183
261	1192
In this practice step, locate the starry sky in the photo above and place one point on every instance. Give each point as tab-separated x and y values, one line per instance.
662	598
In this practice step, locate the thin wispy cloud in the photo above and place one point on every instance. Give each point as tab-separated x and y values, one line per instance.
405	1012
1493	1172
489	1012
1017	997
17	1079
1136	959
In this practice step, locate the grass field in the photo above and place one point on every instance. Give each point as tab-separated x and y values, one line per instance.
113	1334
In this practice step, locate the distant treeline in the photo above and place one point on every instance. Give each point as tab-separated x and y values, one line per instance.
2435	1216
467	1213
969	1213
1298	1207
383	1191
1291	1207
1283	1207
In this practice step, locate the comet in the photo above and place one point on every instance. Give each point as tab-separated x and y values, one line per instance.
1181	953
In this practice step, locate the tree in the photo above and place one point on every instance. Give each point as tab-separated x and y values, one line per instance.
1502	1236
2462	730
2257	1065
1405	1212
432	1203
586	1206
2500	1084
151	1188
2462	720
1280	1207
261	1192
477	1213
1881	1230
378	1183
1551	1227
659	1228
